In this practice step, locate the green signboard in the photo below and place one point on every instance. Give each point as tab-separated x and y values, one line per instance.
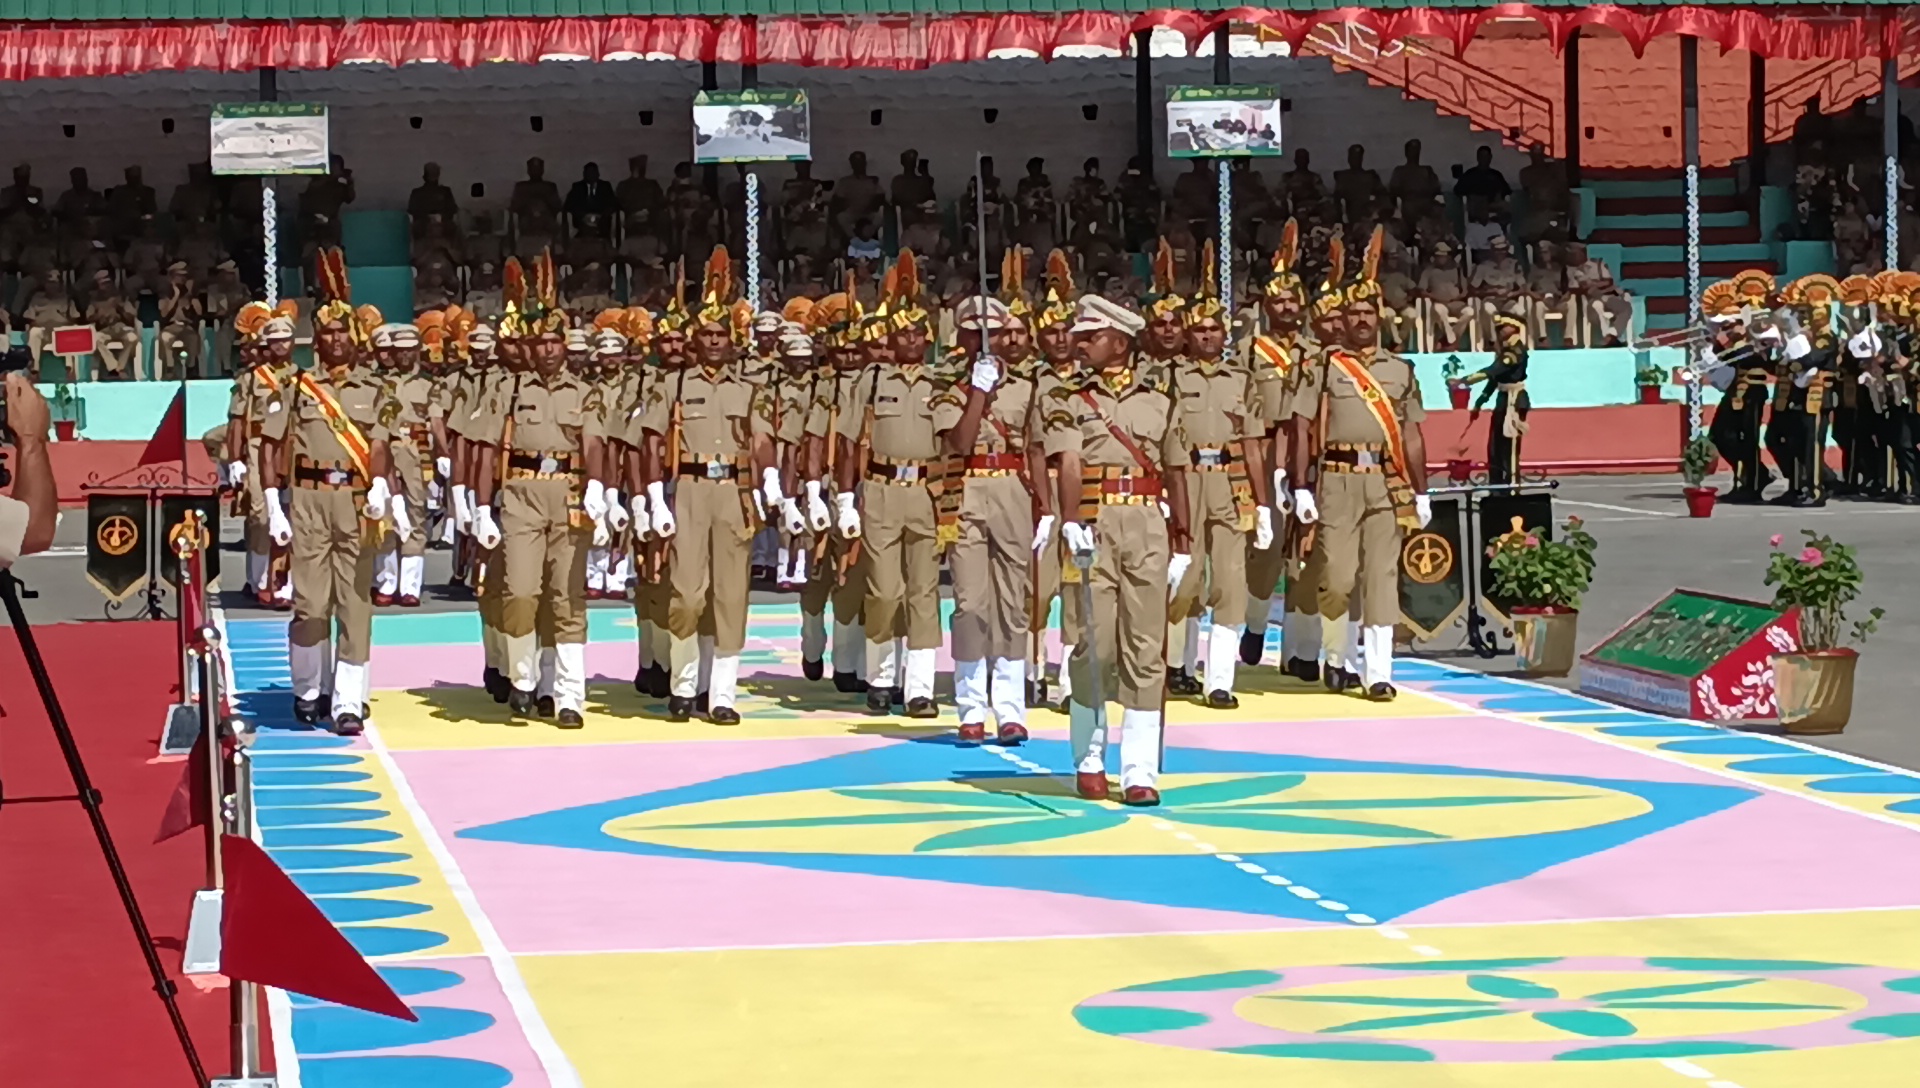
1224	121
764	124
1685	633
1695	655
269	138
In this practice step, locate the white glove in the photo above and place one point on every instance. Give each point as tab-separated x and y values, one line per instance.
1423	505
796	524
642	524
236	473
485	532
594	502
1804	378
1798	347
617	517
1263	528
378	494
986	373
663	523
1280	491
849	515
1303	507
444	467
278	527
1177	568
770	487
402	524
1077	537
819	518
602	536
1042	533
463	508
1864	344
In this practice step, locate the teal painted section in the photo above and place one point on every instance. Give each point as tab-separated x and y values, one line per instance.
1664	187
1663	287
1574	378
390	287
1805	258
374	238
129	411
1584	202
1668	220
1720	251
1611	254
1776	210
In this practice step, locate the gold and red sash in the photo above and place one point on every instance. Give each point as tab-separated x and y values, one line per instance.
1269	350
345	430
1380	406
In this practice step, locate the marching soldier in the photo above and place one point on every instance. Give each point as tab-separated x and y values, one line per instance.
702	436
1903	431
789	390
653	522
1362	406
890	446
1226	488
1737	364
1120	452
1056	365
410	419
1161	344
986	423
1796	433
259	390
1506	385
839	576
541	441
324	465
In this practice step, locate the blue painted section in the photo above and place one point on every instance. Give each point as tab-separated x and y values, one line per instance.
283	760
1664	729
338	883
1868	783
297	742
402	1072
1912	806
1803	764
307	778
1601	717
374	941
326	836
301	797
329	1029
1730	746
309	817
347	909
1540	702
296	860
406	981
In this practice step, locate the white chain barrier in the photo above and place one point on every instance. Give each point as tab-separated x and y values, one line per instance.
753	240
270	239
1224	267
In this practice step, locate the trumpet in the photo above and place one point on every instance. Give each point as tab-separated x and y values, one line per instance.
1689	337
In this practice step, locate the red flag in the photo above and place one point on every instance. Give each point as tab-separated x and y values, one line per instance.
188	807
272	934
169	441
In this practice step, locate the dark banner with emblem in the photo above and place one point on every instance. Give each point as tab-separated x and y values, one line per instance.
117	544
173	518
1502	514
1433	582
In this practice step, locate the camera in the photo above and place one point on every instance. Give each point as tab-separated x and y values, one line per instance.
13	359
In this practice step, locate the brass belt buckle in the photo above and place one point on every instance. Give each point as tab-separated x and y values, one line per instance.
549	466
717	470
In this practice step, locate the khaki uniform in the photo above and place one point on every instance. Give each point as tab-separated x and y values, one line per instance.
43	314
179	338
258	394
1607	313
1218	415
608	565
544	535
1445	288
469	420
991	559
1056	574
833	394
410	411
1129	573
1360	533
117	327
898	519
1277	370
333	541
1502	277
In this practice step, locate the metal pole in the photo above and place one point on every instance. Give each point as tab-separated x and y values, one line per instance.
246	995
1222	54
710	173
1690	149
980	224
1570	80
753	239
1757	123
1890	147
1143	98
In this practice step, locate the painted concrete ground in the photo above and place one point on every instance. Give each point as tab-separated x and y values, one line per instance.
1457	889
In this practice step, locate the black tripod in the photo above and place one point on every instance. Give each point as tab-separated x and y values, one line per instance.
10	593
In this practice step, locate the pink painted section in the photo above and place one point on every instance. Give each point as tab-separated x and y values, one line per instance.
502	1043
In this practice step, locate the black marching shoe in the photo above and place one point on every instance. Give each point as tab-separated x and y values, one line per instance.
496	684
879	700
701	704
813	670
922	707
1808	500
679	708
307	711
1181	682
570	719
520	702
724	715
1221	699
849	683
1252	645
544	706
1301	668
1789	497
1382	692
640	683
1740	496
348	725
657	683
1340	680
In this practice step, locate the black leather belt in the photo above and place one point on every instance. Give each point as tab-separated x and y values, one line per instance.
710	470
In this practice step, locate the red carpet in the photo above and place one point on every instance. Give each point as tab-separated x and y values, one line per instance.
76	1001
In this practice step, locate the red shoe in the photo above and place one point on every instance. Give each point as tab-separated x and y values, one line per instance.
1012	735
1140	796
973	733
382	600
408	601
1091	785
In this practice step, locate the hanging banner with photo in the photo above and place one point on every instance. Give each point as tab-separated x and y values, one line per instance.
1433	582
117	544
1223	122
765	124
269	138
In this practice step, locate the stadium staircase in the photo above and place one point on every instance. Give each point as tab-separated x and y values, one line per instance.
1647	220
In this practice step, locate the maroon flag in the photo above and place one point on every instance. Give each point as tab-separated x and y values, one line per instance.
272	934
189	806
169	441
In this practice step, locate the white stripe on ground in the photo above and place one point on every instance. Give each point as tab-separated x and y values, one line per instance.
1641	510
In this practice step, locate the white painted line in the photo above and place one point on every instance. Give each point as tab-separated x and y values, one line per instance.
1276	880
1183	836
1392	933
553	1061
1621	509
1206	848
1361	919
280	1027
1250	867
1328	904
1427	950
1686	1068
1304	892
1230	859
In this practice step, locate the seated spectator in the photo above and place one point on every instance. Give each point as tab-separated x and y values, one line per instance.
1481	231
484	295
1483	186
128	203
1357	188
196	198
856	196
483	243
179	345
592	242
1852	238
1606	308
1139	197
637	191
434	285
1194	199
23	194
321	203
865	243
48	306
589	289
431	198
1087	196
1546	290
435	239
85	249
993	203
39	247
1035	209
80	201
1499	286
534	194
223	299
1444	287
116	324
200	250
1549	198
1433	228
1302	185
591	195
1414	185
1399	316
644	248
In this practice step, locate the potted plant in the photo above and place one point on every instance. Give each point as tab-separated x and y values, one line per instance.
1457	391
1545	579
1696	460
1814	685
65	410
1649	378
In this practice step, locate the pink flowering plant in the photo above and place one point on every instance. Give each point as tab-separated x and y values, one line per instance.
1822	577
1537	573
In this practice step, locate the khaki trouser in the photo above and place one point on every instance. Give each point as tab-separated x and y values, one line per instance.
1304	580
1129	609
174	341
493	587
1451	320
1054	564
408	464
1219	553
1611	316
119	350
1360	545
992	570
544	559
903	573
823	586
332	572
712	545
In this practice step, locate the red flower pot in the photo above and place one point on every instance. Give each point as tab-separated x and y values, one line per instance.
1700	501
63	429
1649	394
1459	471
1458	395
